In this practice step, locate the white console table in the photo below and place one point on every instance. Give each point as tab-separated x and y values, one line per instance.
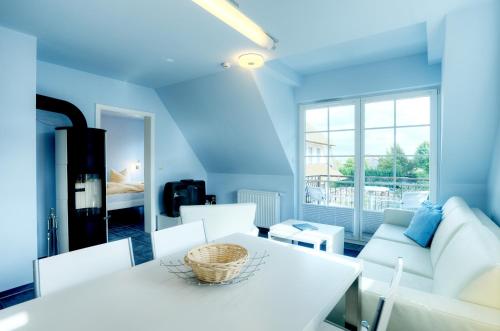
331	234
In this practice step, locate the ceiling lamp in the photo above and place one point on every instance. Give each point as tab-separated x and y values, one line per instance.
251	61
228	12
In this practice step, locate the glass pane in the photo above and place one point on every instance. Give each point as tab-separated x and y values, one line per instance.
316	175
379	171
316	167
316	144
342	117
379	114
317	119
404	166
379	141
412	192
342	143
342	168
414	111
341	182
410	140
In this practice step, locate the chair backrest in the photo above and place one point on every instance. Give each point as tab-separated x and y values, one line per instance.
384	308
413	200
177	238
316	193
65	270
221	220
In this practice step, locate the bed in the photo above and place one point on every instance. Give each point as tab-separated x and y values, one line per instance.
124	195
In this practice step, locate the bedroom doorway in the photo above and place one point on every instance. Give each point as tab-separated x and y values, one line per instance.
132	177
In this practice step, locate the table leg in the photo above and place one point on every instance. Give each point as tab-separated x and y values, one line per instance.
353	304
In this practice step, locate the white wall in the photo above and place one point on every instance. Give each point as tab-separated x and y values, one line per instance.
17	150
470	102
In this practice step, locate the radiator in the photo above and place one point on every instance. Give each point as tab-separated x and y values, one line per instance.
268	206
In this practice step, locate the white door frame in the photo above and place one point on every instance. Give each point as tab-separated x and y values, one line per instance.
149	157
432	92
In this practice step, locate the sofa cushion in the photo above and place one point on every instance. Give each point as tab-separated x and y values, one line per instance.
452	221
416	259
469	267
393	233
423	225
384	274
453	203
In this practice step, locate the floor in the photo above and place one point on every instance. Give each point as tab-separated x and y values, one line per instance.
141	243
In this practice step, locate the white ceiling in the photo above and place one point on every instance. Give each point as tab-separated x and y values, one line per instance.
131	40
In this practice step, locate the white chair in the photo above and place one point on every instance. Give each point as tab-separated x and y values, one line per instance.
61	271
316	194
222	220
177	238
384	306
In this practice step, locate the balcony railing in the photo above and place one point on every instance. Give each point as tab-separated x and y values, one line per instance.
379	193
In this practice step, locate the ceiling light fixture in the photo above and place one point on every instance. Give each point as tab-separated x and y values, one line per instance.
251	61
228	12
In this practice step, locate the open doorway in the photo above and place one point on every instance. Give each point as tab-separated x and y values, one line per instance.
130	170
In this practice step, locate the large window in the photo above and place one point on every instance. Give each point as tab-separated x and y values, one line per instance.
363	155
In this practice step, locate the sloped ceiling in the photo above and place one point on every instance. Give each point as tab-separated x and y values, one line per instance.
225	119
132	40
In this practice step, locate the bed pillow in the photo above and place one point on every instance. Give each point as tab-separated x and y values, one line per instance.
118	177
423	225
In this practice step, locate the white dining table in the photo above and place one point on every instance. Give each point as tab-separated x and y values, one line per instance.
294	290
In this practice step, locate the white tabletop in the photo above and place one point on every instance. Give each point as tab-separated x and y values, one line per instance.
294	290
286	230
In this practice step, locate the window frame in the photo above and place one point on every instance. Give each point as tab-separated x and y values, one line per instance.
359	130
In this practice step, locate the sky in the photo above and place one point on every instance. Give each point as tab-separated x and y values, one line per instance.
377	117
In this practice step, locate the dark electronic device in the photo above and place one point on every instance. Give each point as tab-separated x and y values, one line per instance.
182	193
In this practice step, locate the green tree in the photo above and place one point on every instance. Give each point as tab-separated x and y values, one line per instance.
404	166
421	162
347	169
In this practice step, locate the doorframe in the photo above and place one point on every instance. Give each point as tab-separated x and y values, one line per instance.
359	101
149	157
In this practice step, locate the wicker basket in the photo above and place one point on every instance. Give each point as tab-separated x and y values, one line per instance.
216	263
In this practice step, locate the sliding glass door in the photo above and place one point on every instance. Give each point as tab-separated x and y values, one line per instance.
330	163
364	155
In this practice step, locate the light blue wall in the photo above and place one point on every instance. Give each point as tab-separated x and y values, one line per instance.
124	145
225	187
278	98
470	102
17	150
174	157
226	122
387	76
494	181
243	127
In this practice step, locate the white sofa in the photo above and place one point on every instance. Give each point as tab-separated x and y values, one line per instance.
222	220
453	285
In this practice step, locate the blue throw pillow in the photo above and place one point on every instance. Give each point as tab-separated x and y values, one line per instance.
423	225
429	204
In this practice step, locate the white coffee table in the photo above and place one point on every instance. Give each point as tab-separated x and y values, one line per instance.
331	234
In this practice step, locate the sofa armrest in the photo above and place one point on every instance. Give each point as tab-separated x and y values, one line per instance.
417	310
399	217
